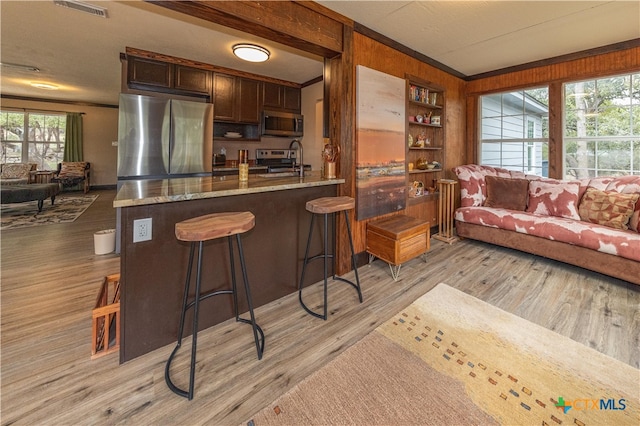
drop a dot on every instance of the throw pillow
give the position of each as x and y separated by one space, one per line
72 169
550 197
507 193
608 208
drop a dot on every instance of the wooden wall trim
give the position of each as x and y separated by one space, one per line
57 101
343 110
361 29
285 22
556 164
612 48
471 131
617 62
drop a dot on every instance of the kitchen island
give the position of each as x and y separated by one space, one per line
153 272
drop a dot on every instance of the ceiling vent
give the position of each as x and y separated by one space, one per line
82 7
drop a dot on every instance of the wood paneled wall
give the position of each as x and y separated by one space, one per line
553 75
375 55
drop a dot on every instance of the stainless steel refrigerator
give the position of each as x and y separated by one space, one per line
161 138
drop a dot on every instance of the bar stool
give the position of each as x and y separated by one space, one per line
198 230
326 206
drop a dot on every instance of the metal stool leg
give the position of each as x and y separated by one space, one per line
304 266
259 340
325 256
196 305
353 257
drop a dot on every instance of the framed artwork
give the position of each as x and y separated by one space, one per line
380 143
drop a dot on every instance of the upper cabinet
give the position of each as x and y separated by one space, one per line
192 80
281 97
236 99
149 74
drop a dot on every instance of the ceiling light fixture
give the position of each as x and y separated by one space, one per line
251 52
45 86
20 67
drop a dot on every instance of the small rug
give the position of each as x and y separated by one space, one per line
66 208
452 359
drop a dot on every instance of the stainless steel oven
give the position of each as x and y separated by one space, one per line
278 160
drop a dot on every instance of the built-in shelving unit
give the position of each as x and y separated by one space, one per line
425 145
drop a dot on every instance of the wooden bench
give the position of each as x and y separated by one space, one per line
397 239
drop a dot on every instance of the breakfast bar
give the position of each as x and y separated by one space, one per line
152 272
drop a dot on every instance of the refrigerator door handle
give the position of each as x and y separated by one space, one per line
167 137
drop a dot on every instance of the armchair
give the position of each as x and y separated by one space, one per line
73 173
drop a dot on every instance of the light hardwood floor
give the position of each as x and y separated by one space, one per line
51 277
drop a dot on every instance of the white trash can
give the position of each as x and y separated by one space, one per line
104 241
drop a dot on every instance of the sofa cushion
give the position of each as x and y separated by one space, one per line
473 190
607 208
15 171
550 197
507 193
584 234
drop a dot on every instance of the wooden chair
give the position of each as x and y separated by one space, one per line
72 173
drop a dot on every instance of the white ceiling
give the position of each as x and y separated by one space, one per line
80 52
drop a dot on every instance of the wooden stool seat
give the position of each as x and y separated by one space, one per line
215 225
330 204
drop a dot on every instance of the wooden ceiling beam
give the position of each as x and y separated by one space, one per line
285 22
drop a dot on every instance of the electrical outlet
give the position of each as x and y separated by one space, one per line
142 230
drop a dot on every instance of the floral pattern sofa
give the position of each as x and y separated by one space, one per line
591 223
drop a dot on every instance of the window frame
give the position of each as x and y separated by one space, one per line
525 141
592 142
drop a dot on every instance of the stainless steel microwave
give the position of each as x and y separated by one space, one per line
280 123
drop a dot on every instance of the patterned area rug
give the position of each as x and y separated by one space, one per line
451 359
66 208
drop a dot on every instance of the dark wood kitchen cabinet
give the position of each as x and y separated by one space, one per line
193 80
236 99
152 75
281 97
143 73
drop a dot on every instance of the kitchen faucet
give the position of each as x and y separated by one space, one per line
301 162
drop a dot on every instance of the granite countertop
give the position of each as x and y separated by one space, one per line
235 169
145 192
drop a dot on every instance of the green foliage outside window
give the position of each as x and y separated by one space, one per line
602 127
32 137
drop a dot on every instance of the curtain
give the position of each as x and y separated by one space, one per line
73 138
